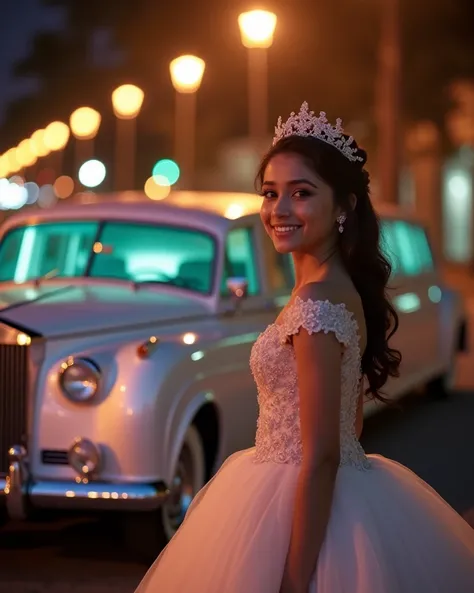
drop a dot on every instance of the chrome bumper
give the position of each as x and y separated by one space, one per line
19 493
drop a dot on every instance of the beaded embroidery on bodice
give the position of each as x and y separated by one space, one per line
273 366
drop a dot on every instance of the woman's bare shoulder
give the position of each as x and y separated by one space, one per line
334 291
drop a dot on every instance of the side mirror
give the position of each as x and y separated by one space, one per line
238 288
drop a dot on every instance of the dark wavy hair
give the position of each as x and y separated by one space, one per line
359 246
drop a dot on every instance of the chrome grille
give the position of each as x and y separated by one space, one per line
54 457
13 399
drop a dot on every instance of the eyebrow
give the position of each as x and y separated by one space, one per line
293 182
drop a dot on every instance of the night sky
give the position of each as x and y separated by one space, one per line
323 52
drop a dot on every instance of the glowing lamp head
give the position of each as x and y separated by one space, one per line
25 153
85 123
127 101
56 135
38 145
12 160
186 73
257 28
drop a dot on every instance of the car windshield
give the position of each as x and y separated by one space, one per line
139 253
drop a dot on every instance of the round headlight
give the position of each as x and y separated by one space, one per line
79 379
84 457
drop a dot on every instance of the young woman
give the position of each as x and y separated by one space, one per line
305 510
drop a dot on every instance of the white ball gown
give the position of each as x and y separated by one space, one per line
388 531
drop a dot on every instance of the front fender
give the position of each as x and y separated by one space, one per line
178 424
127 421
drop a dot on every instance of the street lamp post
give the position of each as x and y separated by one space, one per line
388 103
257 28
127 100
84 123
423 148
460 128
186 76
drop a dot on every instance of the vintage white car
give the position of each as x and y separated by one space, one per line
125 333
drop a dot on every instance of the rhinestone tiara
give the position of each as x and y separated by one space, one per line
305 123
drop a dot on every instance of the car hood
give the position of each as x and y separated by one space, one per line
67 309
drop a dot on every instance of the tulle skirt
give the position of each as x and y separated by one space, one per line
388 532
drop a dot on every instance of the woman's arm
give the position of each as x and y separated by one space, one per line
318 361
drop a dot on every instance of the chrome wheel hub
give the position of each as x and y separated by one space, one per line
181 491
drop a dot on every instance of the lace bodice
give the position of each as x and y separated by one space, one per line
274 368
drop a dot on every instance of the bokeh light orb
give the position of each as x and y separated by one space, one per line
64 186
32 191
85 122
46 197
4 185
14 196
13 163
56 135
37 143
156 191
234 211
92 173
187 73
24 153
161 180
4 166
257 28
127 101
18 179
168 170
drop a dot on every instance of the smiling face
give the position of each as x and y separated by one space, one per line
298 209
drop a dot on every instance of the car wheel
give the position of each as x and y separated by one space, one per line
148 533
189 478
437 388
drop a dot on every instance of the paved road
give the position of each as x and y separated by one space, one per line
435 439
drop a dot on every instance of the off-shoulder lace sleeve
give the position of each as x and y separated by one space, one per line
319 316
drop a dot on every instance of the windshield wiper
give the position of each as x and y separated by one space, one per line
170 281
51 274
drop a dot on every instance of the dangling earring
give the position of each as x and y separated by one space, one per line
341 219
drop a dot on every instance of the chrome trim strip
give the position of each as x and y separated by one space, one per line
92 496
14 399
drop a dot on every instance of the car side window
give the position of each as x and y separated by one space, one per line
240 260
410 263
423 248
415 251
407 247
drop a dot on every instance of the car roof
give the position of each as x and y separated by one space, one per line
207 209
211 211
